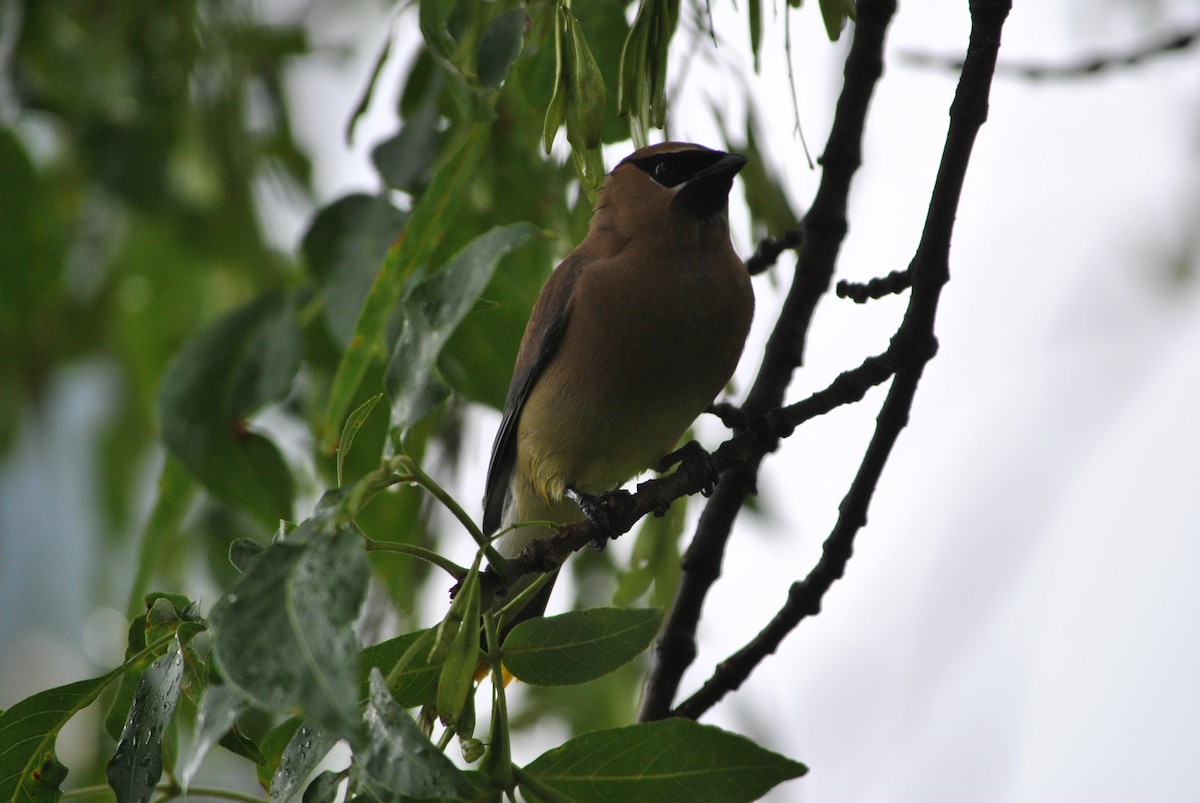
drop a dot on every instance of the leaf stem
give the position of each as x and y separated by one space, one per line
498 760
166 792
532 784
450 567
422 643
417 474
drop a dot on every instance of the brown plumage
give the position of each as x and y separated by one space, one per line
631 338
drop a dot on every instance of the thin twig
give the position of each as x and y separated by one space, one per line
768 251
861 292
1080 67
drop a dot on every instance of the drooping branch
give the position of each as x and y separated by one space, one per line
930 272
1080 67
823 230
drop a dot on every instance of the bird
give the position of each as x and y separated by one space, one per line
631 338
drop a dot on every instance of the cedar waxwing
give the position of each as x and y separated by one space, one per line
631 338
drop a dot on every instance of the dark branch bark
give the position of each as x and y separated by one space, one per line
861 292
768 251
823 229
914 344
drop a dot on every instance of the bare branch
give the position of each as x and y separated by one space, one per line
930 272
823 228
861 292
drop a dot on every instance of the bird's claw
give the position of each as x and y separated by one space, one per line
596 508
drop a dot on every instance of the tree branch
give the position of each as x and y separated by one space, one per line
768 251
1082 67
824 228
861 292
930 272
750 445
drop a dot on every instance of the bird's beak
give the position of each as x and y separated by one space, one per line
726 168
707 192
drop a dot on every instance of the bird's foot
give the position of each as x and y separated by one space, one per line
697 462
596 508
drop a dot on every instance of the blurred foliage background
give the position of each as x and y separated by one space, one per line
146 147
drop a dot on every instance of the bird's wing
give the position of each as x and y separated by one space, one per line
548 322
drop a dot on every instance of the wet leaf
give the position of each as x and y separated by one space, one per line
137 763
579 646
284 634
671 760
400 759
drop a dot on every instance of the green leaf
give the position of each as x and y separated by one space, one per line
585 111
770 208
606 28
556 110
643 83
137 763
305 750
585 99
535 70
500 46
835 13
118 711
416 684
272 746
353 425
405 161
285 634
364 102
433 313
226 372
433 214
671 760
29 770
344 247
398 757
32 247
434 16
655 559
242 745
578 646
458 670
243 552
754 14
162 615
324 788
219 710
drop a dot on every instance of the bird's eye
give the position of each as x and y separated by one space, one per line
665 174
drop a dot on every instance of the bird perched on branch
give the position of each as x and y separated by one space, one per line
631 338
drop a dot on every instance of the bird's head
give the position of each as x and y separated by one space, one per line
654 185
